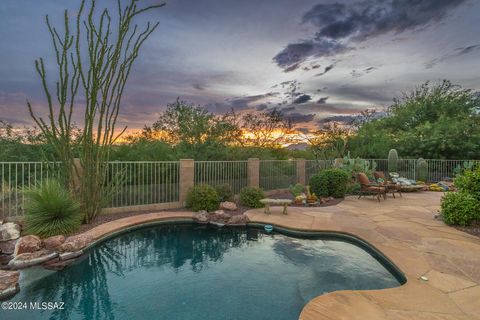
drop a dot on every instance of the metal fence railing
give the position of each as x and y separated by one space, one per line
314 166
156 182
143 182
15 177
436 169
215 173
277 174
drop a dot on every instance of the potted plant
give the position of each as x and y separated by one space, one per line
311 197
300 199
297 192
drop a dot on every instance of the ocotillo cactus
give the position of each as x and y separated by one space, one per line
392 160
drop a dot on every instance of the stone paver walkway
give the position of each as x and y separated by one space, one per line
405 230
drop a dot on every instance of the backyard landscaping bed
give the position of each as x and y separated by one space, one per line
474 229
239 211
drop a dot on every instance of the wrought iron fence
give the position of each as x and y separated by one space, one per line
143 182
277 174
155 182
215 173
15 177
436 169
314 166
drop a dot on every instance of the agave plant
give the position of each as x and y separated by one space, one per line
51 210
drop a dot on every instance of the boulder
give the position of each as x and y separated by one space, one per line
28 259
8 283
239 219
76 243
7 247
5 259
201 217
220 215
53 243
227 205
9 231
26 244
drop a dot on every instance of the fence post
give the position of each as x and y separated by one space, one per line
301 175
187 178
253 172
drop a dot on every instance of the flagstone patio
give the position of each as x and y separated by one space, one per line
405 230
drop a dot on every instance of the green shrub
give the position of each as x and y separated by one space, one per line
460 208
330 183
251 196
202 197
319 184
296 190
353 188
469 182
224 192
51 210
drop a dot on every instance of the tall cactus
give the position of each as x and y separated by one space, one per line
392 160
422 169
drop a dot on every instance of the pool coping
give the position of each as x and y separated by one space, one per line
412 300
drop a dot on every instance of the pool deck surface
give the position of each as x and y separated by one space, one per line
403 229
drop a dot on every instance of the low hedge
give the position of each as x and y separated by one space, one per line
202 197
251 196
460 208
330 183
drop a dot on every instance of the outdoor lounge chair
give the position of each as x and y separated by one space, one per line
370 188
390 187
379 175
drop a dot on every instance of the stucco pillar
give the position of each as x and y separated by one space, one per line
253 172
187 178
301 171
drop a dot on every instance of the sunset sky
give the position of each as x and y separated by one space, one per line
316 60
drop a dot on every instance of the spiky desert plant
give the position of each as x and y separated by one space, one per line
422 169
94 55
51 210
392 160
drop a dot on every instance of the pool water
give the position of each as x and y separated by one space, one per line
192 272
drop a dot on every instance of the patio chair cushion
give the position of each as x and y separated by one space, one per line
373 188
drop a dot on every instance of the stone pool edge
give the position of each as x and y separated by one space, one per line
112 229
412 300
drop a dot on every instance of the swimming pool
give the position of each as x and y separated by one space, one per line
187 271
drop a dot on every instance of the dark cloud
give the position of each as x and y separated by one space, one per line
198 87
322 100
261 107
294 54
327 68
359 73
297 117
243 102
288 109
302 99
344 119
303 130
339 26
455 53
